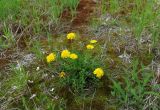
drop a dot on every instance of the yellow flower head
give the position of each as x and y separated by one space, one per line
51 57
65 54
62 74
93 41
89 46
71 36
73 56
98 72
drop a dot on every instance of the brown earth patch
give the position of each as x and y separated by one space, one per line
84 11
3 63
5 58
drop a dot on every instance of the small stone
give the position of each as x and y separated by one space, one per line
14 87
53 76
52 90
34 95
56 97
125 57
30 81
37 69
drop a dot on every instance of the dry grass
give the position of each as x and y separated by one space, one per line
126 31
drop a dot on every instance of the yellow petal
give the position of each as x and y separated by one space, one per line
65 54
93 41
98 72
71 36
73 56
90 47
51 57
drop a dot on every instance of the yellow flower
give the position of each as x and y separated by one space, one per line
71 36
98 72
62 74
73 56
89 46
65 54
51 57
93 41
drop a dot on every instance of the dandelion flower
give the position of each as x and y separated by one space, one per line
90 47
98 72
93 41
62 74
65 54
51 57
71 36
73 56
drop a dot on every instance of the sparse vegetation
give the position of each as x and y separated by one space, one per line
80 54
